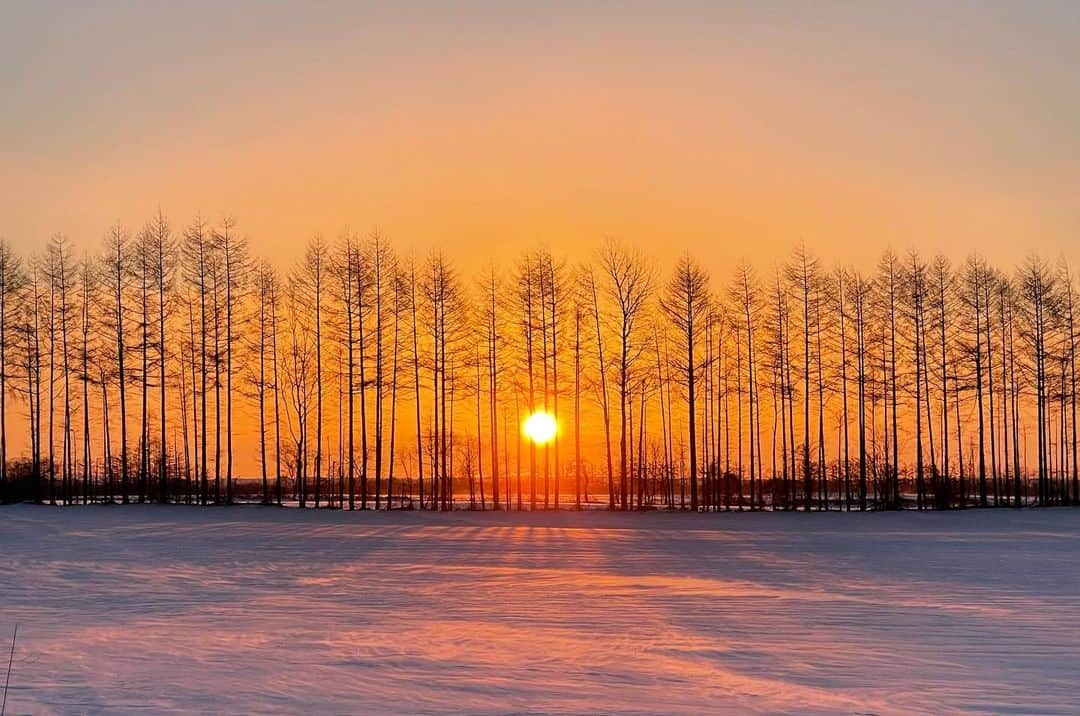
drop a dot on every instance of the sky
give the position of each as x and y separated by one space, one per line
729 130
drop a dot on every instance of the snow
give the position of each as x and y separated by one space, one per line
261 610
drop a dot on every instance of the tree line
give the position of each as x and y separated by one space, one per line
363 379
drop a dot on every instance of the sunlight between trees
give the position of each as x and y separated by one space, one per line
360 378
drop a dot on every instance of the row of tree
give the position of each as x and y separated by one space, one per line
362 379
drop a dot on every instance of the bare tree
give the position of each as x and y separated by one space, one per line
628 288
490 290
803 272
744 292
383 275
12 281
685 304
416 380
1040 311
973 294
889 272
160 252
1068 301
197 251
235 266
589 281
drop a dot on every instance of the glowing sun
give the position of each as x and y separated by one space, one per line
540 427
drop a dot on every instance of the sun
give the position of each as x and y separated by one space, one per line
540 427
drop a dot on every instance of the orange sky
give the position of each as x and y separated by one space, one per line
725 129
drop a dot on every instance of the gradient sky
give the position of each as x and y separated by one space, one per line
729 129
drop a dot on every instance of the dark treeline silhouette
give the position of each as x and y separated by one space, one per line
361 379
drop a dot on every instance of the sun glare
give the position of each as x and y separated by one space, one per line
540 427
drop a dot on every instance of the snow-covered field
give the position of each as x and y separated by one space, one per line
253 610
